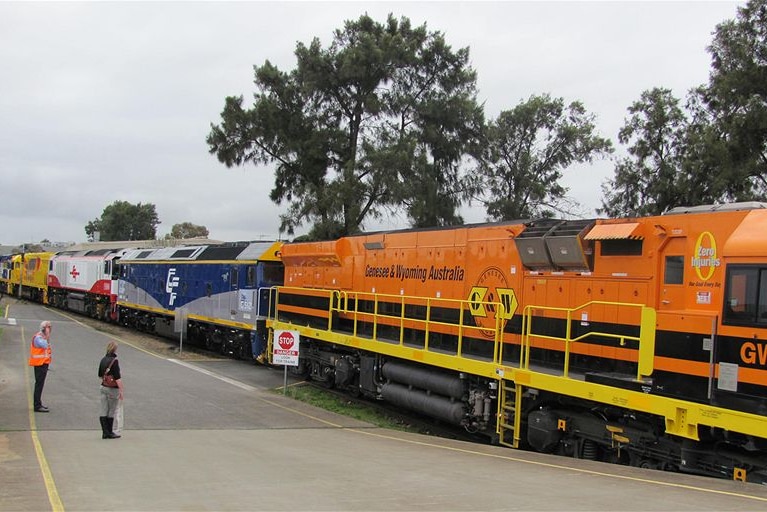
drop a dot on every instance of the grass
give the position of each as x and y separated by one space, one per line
345 407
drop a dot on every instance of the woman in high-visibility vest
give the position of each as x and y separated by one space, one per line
39 359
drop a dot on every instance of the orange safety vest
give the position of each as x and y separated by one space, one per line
39 356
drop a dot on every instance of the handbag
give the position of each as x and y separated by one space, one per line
107 380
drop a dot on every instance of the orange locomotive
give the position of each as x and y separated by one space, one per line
640 341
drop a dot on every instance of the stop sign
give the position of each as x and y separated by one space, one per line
285 347
286 340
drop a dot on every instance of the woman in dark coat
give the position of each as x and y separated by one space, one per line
111 390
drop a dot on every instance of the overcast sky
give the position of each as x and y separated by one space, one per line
112 101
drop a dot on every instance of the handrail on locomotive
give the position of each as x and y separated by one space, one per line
340 300
645 340
343 301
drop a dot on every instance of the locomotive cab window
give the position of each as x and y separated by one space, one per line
745 300
674 271
273 274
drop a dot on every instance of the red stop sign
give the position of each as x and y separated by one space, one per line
286 340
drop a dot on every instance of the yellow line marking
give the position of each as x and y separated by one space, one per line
50 485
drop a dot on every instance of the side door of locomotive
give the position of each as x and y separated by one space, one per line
671 289
234 294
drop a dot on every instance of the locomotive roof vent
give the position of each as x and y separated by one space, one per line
567 247
728 207
532 247
555 245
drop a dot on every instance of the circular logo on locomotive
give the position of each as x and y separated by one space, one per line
490 291
705 259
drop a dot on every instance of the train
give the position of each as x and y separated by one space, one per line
639 341
220 290
218 293
25 275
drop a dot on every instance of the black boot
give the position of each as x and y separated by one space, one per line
104 430
110 424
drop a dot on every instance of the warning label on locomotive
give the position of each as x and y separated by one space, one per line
416 273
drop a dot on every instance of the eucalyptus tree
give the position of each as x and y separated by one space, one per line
122 220
736 102
376 120
187 230
651 178
527 150
716 150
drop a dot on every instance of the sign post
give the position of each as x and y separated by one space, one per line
179 325
285 351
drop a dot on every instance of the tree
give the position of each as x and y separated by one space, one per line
353 122
187 230
716 151
707 166
125 221
736 100
93 227
527 150
435 122
651 179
